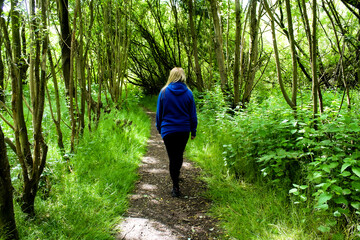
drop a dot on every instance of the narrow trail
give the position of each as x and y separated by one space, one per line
153 213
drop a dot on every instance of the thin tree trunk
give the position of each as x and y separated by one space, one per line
65 42
219 45
2 75
199 80
293 52
2 67
276 53
8 230
252 64
71 81
237 53
57 121
313 45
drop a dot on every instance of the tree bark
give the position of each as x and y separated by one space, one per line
276 53
219 45
2 75
57 121
252 64
8 228
237 53
2 67
199 80
313 45
293 52
65 42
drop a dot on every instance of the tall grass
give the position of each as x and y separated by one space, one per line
89 192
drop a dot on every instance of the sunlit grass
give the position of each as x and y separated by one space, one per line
89 191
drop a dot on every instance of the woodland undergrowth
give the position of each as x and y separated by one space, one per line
83 195
274 174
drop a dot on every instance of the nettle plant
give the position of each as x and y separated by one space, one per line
333 172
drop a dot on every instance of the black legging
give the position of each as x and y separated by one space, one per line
175 144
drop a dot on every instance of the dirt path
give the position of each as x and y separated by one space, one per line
154 214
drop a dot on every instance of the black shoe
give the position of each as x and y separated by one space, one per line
175 192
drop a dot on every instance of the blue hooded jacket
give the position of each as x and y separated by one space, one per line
176 111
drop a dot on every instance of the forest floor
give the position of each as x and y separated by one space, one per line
154 214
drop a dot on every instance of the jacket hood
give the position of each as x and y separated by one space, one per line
177 88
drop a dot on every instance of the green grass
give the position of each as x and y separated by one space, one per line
88 202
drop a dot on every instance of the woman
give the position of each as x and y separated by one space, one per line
175 119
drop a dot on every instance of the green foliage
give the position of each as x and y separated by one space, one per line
311 162
87 202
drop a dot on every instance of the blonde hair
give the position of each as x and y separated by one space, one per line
177 74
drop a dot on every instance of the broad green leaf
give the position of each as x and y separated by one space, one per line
331 223
322 207
346 191
324 229
304 187
333 165
356 205
345 174
337 214
303 198
345 166
324 197
293 190
341 200
356 171
336 189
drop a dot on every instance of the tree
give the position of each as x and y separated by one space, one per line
276 54
218 41
199 79
252 63
65 42
7 219
237 52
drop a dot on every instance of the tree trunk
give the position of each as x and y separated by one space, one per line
7 219
219 45
293 52
313 45
65 42
72 88
252 64
199 80
276 53
237 53
57 121
2 68
2 75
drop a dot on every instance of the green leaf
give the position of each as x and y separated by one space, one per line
324 229
341 200
356 185
331 223
337 214
356 205
322 207
303 198
304 187
345 174
346 191
345 166
333 165
324 197
356 171
293 190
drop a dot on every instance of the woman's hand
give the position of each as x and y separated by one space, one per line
193 137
